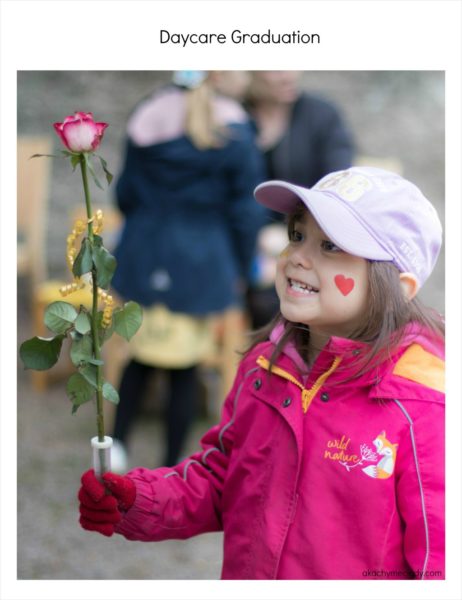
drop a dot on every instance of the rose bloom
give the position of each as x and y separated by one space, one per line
80 133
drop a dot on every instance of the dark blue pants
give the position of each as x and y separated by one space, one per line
180 410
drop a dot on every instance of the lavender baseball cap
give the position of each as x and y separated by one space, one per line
367 212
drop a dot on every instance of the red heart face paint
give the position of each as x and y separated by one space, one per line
344 284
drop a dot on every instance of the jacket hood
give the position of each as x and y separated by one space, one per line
161 118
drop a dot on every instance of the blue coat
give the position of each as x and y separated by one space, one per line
190 222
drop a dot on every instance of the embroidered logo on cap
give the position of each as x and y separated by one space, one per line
412 256
349 186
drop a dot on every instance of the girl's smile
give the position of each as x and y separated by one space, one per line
299 288
319 284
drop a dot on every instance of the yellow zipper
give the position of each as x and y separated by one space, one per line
307 394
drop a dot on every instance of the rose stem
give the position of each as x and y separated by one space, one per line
94 314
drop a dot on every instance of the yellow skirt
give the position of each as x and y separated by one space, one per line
172 340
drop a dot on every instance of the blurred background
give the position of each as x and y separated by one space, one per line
397 120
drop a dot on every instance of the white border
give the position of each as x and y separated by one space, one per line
123 35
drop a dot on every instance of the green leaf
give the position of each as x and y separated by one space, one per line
69 153
109 176
81 350
40 155
75 335
79 391
59 316
90 373
75 160
110 393
104 262
82 323
39 353
92 170
98 363
83 262
128 320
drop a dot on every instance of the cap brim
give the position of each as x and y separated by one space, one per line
341 225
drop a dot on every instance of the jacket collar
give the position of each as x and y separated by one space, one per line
336 346
383 381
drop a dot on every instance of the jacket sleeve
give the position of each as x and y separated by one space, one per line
245 170
420 493
183 501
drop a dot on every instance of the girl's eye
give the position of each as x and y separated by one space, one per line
329 246
295 236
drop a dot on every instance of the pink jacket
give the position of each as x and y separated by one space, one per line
312 478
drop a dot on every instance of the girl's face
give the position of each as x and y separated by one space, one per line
320 285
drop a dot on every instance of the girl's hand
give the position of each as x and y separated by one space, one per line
101 503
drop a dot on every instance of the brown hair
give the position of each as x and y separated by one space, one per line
382 327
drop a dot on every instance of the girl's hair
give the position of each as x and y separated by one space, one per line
200 126
383 325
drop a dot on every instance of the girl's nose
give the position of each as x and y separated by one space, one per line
301 257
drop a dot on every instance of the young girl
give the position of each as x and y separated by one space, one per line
328 461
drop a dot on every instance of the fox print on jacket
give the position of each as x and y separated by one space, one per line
385 466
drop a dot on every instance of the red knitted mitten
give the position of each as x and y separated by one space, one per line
100 504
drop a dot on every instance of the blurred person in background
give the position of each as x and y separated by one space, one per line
189 237
302 137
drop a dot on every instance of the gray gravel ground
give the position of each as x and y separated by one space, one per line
398 114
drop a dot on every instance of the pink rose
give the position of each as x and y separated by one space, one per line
80 133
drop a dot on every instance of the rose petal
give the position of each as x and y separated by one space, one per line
69 119
82 115
80 136
59 130
100 127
